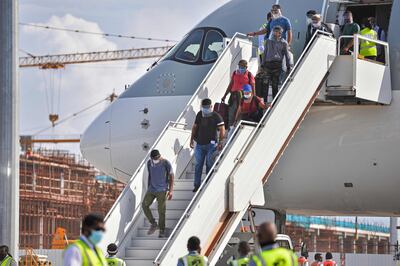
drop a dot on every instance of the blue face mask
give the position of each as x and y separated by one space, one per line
242 70
206 110
96 236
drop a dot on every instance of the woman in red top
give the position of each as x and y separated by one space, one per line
251 107
239 78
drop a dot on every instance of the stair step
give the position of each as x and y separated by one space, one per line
138 262
175 204
190 175
183 194
173 214
170 223
184 184
142 252
142 232
148 242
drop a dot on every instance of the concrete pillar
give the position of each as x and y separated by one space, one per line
393 232
9 146
364 245
341 244
314 241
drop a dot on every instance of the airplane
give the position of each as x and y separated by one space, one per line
342 161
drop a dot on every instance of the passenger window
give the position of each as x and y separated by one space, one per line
213 46
189 50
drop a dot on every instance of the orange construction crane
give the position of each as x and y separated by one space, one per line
60 60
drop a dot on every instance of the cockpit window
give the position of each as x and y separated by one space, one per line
189 50
213 45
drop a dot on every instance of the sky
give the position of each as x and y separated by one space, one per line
69 90
76 87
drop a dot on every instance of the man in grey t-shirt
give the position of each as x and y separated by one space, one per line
160 187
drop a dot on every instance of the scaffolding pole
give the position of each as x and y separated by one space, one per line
9 161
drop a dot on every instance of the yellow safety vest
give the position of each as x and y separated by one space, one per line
275 256
368 48
89 257
7 261
259 52
240 262
193 260
115 261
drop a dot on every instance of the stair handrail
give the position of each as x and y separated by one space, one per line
189 104
283 88
204 183
186 214
144 161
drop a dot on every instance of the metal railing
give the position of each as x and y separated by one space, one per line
220 57
242 152
356 45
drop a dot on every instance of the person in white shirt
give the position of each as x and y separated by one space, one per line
84 251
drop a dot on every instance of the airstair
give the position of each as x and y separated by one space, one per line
239 172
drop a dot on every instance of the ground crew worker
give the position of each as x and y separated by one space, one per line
367 48
243 260
5 257
193 258
329 260
261 37
112 259
84 252
271 253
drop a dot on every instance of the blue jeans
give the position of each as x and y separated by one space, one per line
201 153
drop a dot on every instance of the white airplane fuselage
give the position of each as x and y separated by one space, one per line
343 160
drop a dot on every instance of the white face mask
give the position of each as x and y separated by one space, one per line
316 25
308 21
156 161
247 96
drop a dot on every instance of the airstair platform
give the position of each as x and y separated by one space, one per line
239 172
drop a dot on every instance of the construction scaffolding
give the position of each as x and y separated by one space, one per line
56 190
338 239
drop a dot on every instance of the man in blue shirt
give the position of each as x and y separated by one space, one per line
160 187
277 20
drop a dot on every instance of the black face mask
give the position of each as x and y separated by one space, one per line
2 256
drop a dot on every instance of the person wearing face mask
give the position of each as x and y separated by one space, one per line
239 78
5 258
381 36
349 28
368 48
205 132
160 187
316 24
277 20
276 50
84 252
309 15
261 37
251 107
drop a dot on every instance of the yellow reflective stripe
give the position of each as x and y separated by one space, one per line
7 261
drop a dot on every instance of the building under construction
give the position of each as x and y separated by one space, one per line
338 236
56 190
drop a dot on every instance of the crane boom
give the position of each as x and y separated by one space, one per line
60 60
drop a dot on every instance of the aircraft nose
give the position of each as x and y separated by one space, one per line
95 142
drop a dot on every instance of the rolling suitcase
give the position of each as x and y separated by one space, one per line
222 110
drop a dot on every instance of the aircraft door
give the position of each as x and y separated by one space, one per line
296 12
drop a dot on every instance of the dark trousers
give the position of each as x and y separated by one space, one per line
272 72
148 200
